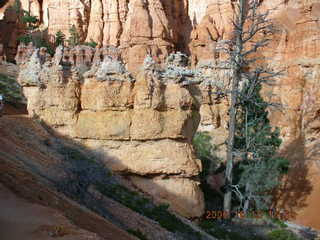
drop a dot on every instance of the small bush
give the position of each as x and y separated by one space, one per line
29 20
74 38
60 38
26 39
279 222
137 233
204 151
39 42
210 165
281 234
87 171
202 145
145 207
92 44
32 23
10 89
221 232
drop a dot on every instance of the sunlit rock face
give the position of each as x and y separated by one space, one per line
196 27
142 126
138 27
295 51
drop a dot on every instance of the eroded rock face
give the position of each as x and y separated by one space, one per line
215 26
180 192
295 51
10 30
136 124
138 27
197 27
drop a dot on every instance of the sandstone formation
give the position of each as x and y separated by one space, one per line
11 29
138 27
215 26
139 127
295 51
196 27
42 212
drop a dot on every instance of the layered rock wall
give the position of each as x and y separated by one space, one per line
294 50
159 27
143 127
138 27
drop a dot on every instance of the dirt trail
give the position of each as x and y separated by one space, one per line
20 219
26 167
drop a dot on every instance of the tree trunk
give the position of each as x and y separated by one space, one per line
247 200
230 148
236 64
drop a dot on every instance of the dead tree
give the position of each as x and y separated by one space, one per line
252 31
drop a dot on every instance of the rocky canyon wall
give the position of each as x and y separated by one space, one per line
142 126
158 27
294 50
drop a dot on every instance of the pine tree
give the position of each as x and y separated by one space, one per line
59 38
74 38
29 20
261 167
251 137
32 24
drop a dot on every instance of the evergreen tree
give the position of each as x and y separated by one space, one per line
74 38
59 38
17 7
251 138
260 167
29 20
32 24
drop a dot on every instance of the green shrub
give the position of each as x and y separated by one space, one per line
92 44
30 20
282 234
138 234
10 89
202 145
40 42
89 172
60 38
26 39
278 222
74 38
32 24
207 225
37 42
17 7
145 207
221 232
204 151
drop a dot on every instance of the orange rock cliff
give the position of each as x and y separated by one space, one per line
138 28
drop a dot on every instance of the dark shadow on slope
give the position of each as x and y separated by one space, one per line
73 170
86 169
295 188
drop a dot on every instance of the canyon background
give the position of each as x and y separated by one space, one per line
158 28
